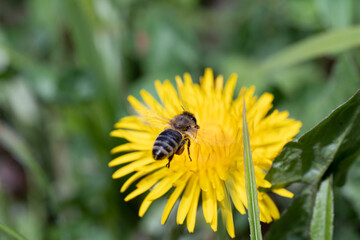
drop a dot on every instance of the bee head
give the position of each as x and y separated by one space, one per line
185 122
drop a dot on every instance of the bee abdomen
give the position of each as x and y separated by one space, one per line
166 144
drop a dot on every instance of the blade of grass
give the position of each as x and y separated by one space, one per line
323 216
328 43
11 232
250 184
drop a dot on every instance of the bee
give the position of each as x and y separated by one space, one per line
173 139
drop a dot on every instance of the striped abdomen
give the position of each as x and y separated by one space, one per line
166 144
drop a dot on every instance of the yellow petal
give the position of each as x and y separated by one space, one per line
138 106
123 147
250 100
133 136
271 207
208 202
214 220
204 181
144 171
261 108
262 159
130 147
164 185
151 102
174 196
187 79
144 206
268 209
131 179
179 82
129 157
130 122
264 213
219 188
226 213
239 180
235 195
283 192
191 217
219 83
132 167
146 183
186 199
136 193
229 89
207 83
169 98
260 178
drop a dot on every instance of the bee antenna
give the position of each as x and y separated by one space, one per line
182 107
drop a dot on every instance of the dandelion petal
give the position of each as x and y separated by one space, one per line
186 200
174 197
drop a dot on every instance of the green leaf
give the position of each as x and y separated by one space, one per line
11 232
323 215
335 140
309 216
250 184
295 222
331 42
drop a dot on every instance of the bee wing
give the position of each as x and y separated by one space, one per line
154 120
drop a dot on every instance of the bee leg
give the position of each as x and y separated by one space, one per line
180 149
188 147
170 158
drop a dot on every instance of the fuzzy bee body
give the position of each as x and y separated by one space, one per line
166 144
173 139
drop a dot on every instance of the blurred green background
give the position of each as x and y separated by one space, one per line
67 66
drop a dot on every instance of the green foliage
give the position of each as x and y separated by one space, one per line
334 140
66 68
310 216
295 222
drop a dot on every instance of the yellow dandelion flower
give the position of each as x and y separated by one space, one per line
216 169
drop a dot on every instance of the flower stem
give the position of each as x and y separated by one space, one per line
250 184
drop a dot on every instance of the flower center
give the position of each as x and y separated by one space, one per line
213 147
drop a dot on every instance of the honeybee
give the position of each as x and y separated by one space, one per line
173 139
